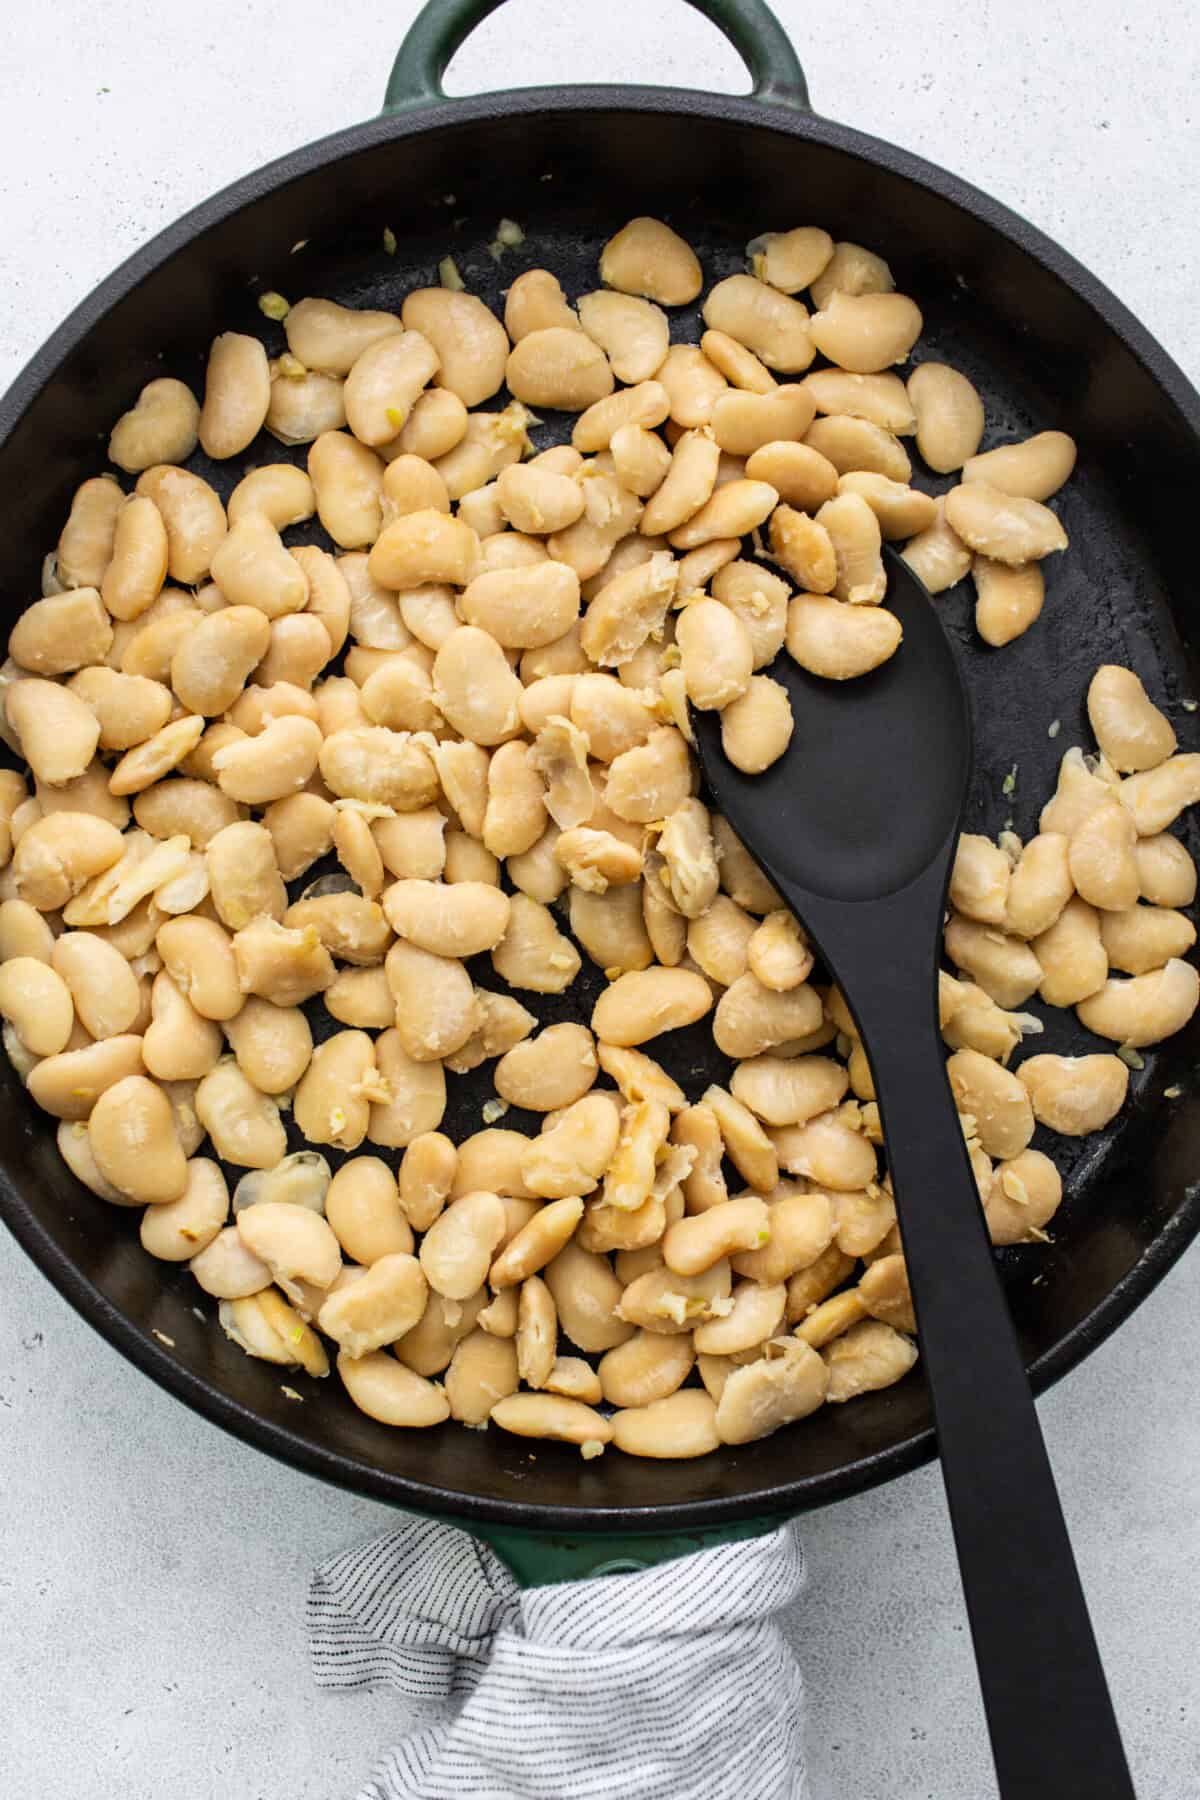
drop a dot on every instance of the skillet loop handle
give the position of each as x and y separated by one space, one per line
443 25
541 1559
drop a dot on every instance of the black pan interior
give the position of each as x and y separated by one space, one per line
1040 356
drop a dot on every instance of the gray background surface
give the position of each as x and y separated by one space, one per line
152 1570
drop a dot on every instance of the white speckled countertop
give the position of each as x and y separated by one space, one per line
152 1570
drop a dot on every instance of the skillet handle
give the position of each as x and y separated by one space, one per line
541 1559
443 25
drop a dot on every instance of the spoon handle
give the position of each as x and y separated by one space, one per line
1052 1727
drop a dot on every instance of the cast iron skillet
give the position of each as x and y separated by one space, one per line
1046 344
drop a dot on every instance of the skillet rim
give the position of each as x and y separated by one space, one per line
109 1321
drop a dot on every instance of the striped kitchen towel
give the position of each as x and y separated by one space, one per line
673 1683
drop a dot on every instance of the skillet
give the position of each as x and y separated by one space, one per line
1045 343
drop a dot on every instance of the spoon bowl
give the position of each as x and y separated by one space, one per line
882 761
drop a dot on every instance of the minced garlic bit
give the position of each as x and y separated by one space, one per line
493 1110
1130 1057
508 236
1008 786
291 1394
590 1449
389 240
298 245
369 809
1172 1093
679 1308
449 276
1054 727
1189 705
163 1338
273 305
1014 1187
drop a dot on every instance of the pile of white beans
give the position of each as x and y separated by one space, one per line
487 677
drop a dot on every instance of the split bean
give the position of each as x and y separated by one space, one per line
774 1391
995 1099
574 1150
36 1001
131 1131
937 556
1033 469
949 416
533 953
1154 798
1101 860
237 393
1007 969
181 1229
243 1123
640 1005
559 368
1143 1009
647 258
1071 955
303 404
470 341
57 732
551 1070
384 383
534 302
979 879
435 426
1130 730
1145 938
1166 873
865 332
85 546
62 633
160 427
429 1347
771 324
869 1356
273 1044
101 983
1008 600
378 1308
1005 527
385 1390
58 855
1074 1095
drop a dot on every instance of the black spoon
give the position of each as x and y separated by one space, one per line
856 825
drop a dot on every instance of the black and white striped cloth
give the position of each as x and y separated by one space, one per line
673 1683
